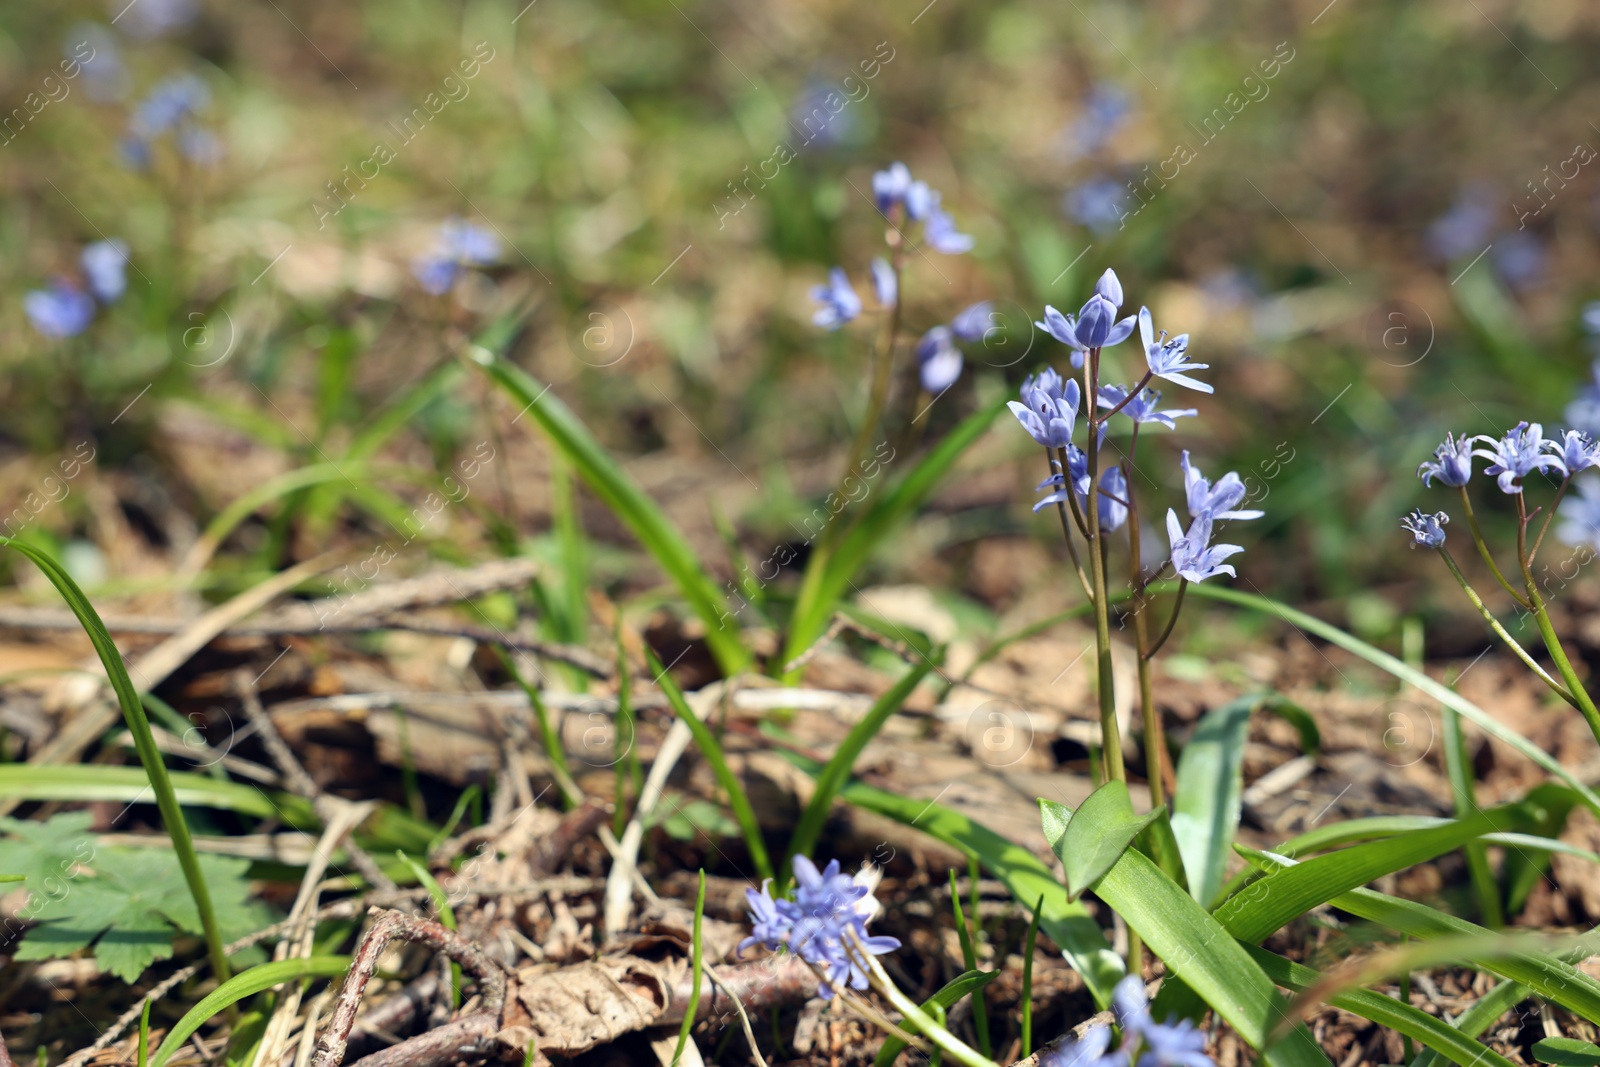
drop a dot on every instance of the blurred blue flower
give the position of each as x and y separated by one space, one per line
1464 229
200 145
1451 463
884 282
890 186
1103 114
468 243
818 924
154 18
1516 455
436 274
893 187
1087 1051
938 360
134 150
103 263
1097 204
811 109
1580 514
174 99
940 232
63 310
839 301
1576 450
105 76
1145 1043
1218 501
1095 325
1519 258
1591 317
1193 555
1427 531
1166 358
1048 409
972 323
1112 499
1142 408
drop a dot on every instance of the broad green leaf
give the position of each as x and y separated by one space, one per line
1285 894
1102 831
1548 976
961 985
1195 947
1385 1011
1067 923
1566 1052
834 564
833 775
1379 658
630 504
245 984
1206 805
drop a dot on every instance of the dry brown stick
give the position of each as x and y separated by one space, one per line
298 781
386 926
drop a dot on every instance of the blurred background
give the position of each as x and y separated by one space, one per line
1376 220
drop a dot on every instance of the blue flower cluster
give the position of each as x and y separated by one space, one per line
1513 457
1145 1042
173 107
65 309
460 244
1048 411
819 924
904 200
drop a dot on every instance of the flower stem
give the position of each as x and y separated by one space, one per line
1066 530
1500 631
1110 739
914 1014
1177 606
1483 548
882 372
1547 631
1544 527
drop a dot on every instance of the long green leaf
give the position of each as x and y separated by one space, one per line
1478 1018
1566 1052
1552 978
1379 658
711 749
1067 923
630 504
837 770
245 984
1196 948
968 982
144 741
1206 805
1285 894
833 565
1385 1011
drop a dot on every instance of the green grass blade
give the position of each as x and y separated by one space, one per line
1379 658
144 741
631 505
969 983
711 749
969 959
837 770
1285 894
1068 923
835 563
549 736
1195 948
1206 805
697 965
1550 977
242 985
1478 1018
447 915
1566 1052
1454 1044
1028 945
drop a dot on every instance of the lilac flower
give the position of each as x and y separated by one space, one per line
1142 408
1451 463
890 186
63 310
1216 502
839 302
1145 1042
1097 204
1193 555
940 231
1077 468
1464 229
105 76
884 282
1580 514
102 264
1086 1051
436 274
1519 258
1428 530
468 243
1591 317
1517 455
1112 500
938 359
156 18
1096 324
1049 408
921 201
199 145
1584 411
826 914
1166 358
972 324
1577 451
1103 113
173 100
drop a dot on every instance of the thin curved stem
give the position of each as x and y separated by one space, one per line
1500 631
1066 530
1177 606
1126 401
1544 527
912 1012
1483 548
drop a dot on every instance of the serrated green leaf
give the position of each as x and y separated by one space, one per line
1195 947
47 853
1098 836
1566 1052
